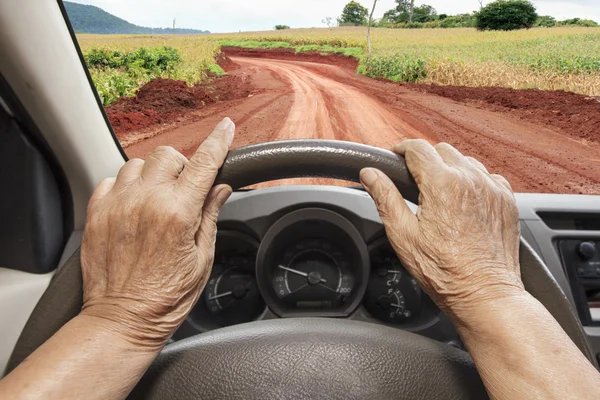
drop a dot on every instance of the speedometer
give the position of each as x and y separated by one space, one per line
313 273
312 262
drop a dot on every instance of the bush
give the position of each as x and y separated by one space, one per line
281 27
506 15
546 21
117 74
578 22
401 68
156 60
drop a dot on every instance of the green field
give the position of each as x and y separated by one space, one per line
544 58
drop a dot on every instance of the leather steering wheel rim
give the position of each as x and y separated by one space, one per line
304 358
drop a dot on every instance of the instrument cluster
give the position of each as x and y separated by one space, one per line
312 262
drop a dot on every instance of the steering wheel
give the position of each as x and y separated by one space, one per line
310 357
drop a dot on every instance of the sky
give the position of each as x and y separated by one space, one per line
258 15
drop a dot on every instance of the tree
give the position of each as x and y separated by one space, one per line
406 11
328 21
369 27
480 4
424 13
506 15
281 27
546 21
354 13
399 14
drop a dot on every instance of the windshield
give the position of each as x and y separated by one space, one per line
521 95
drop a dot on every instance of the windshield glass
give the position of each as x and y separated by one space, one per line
521 94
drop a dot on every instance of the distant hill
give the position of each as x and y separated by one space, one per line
91 19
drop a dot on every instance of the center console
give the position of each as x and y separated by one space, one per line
581 260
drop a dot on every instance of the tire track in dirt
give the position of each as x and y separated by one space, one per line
533 158
295 100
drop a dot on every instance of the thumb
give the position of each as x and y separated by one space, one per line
401 224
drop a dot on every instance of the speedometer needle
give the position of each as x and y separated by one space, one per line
295 271
218 296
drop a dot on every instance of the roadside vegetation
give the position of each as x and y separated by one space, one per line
121 64
555 59
563 57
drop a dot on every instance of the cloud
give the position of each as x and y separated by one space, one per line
256 15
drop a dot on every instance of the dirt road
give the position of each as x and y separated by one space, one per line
297 99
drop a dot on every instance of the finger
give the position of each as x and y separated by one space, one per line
199 174
421 158
164 164
399 221
502 181
477 164
451 156
130 172
207 232
101 191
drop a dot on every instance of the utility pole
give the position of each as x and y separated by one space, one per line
369 28
412 10
174 25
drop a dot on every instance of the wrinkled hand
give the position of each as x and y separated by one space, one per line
148 245
463 243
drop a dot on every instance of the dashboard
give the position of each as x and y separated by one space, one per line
314 251
296 251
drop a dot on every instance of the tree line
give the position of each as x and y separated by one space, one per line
497 15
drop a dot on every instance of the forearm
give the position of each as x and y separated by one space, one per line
85 359
521 352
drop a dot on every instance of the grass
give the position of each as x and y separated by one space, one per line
356 52
543 58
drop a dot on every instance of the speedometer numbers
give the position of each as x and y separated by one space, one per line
313 274
392 295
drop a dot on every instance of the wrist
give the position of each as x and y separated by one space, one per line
129 328
469 313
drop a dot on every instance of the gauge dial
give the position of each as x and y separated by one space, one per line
228 285
392 295
313 274
231 294
312 262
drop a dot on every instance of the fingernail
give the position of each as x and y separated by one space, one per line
368 176
229 127
223 194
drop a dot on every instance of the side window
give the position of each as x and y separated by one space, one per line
32 223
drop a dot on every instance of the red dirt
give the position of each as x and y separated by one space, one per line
570 112
297 99
165 100
290 55
226 63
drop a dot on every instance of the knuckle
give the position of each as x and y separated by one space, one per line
208 159
135 161
443 146
420 144
168 156
167 150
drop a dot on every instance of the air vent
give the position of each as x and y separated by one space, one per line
571 221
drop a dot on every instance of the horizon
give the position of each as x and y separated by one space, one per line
307 13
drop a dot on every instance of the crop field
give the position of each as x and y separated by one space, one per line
315 83
543 58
